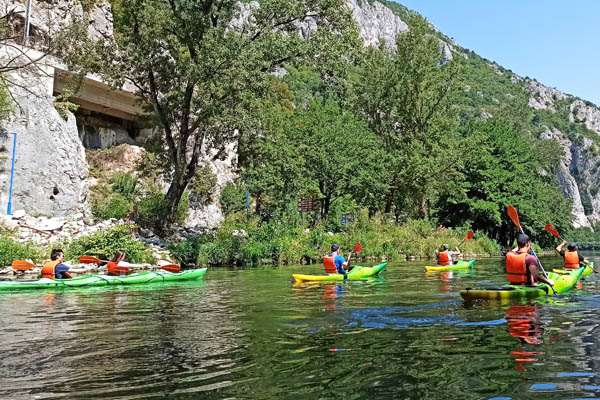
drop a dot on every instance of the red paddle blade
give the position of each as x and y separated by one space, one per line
22 265
88 260
357 247
171 268
552 230
469 235
514 216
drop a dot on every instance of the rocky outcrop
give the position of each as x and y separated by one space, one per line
542 97
50 174
376 23
48 17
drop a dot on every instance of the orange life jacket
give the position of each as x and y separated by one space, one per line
329 264
48 269
571 259
516 269
112 268
444 258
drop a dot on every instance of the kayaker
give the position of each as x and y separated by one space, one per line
335 263
522 267
444 257
572 257
55 269
117 264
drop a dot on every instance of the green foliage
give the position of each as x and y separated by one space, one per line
204 185
152 209
188 249
104 244
510 168
11 250
112 206
233 198
125 184
241 240
6 104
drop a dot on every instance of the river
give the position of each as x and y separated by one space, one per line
250 333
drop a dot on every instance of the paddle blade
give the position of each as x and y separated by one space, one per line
89 260
514 216
469 235
171 268
22 265
552 230
357 248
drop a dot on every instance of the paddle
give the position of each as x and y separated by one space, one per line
357 249
22 265
469 236
90 260
553 231
514 216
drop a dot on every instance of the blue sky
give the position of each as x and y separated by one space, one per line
556 42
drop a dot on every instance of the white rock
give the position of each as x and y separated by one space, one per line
18 214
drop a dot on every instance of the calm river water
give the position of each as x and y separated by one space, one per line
252 334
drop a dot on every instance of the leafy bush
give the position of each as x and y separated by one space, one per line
153 209
115 206
11 250
105 243
233 198
125 184
204 185
187 250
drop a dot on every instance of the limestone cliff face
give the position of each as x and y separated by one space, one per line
50 175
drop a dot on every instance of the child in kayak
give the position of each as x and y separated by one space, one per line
444 257
117 264
55 269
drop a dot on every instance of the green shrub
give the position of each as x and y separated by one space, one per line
233 198
115 206
105 243
187 250
153 209
11 250
204 185
125 184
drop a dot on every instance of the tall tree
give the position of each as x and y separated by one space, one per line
201 64
406 97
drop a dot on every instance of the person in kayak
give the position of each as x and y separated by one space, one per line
444 257
335 263
522 268
117 264
55 269
572 257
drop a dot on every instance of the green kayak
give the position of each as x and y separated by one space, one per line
104 280
562 284
453 267
355 274
588 270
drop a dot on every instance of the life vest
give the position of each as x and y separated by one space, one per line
572 259
329 264
516 269
48 269
444 258
112 268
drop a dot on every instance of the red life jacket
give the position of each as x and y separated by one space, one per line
516 269
444 258
572 259
112 268
329 264
48 269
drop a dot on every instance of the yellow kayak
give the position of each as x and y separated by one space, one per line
587 271
355 274
453 267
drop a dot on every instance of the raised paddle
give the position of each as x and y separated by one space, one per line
22 265
357 249
514 216
554 232
469 236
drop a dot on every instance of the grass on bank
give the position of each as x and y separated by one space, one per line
241 240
